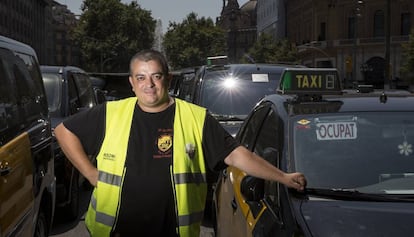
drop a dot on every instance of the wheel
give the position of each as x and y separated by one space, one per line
42 229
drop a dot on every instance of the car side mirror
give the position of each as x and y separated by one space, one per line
252 189
100 95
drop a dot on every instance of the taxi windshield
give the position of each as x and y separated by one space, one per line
229 96
366 151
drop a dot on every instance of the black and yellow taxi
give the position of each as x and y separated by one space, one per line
355 148
27 180
229 91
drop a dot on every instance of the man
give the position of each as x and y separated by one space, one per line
153 152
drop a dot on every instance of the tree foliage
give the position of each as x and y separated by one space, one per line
109 33
189 43
268 50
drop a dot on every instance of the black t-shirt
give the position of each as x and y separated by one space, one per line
147 205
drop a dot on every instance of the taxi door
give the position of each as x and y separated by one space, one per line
258 199
235 216
16 186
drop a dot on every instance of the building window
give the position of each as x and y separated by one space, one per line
351 27
379 24
405 23
322 32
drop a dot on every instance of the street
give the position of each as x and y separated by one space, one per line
77 228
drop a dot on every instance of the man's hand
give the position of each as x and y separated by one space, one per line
296 181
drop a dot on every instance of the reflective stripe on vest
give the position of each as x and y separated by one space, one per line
189 171
188 167
101 215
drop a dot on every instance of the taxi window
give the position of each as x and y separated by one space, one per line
250 130
267 146
360 151
15 106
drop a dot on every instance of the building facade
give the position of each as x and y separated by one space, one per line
358 37
239 23
26 21
271 18
63 50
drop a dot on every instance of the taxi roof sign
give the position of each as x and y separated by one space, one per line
217 60
310 81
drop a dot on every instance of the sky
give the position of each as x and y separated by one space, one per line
168 10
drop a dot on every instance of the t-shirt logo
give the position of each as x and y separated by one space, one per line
164 142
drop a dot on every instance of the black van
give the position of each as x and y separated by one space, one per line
69 90
27 179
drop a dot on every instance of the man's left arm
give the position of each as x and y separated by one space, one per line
254 165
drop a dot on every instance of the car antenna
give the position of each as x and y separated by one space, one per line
251 60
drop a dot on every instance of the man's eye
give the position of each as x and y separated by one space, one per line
140 78
157 76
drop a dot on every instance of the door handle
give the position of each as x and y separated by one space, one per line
4 168
234 204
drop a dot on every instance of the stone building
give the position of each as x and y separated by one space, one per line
239 24
353 36
26 21
63 50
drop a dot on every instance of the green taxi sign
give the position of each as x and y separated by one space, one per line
310 81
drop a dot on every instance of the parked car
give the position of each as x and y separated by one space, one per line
69 90
229 92
178 77
355 148
27 179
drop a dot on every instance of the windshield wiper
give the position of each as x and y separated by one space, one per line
224 117
353 194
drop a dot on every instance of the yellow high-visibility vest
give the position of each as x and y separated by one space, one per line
188 171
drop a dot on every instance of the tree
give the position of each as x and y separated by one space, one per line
268 50
109 33
189 43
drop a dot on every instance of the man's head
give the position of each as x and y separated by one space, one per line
150 54
150 79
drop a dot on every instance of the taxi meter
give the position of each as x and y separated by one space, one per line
314 81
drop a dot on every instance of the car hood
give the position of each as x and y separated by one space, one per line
327 217
232 127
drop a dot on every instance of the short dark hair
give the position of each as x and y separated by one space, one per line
148 55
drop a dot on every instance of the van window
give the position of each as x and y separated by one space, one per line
80 92
10 115
85 91
35 79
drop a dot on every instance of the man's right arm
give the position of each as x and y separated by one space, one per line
73 150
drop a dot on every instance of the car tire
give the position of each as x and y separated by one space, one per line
41 229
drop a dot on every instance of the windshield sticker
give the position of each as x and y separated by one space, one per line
405 148
303 122
260 78
336 131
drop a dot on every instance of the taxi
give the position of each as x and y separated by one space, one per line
27 176
355 148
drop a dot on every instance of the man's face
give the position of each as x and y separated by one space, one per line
150 85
